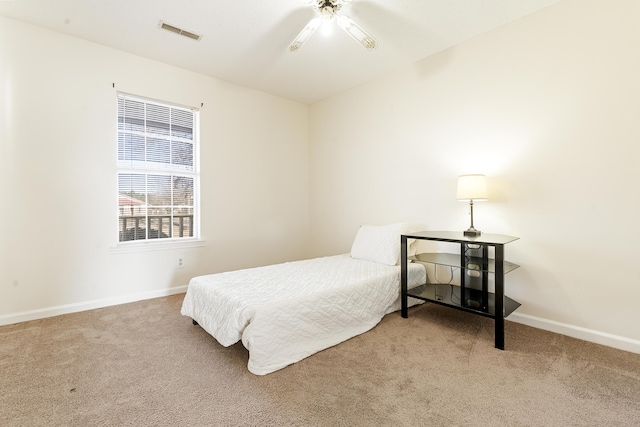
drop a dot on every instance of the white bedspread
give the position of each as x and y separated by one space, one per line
286 312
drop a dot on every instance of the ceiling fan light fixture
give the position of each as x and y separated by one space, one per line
357 32
328 11
327 24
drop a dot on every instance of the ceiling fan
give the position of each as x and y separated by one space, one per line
328 10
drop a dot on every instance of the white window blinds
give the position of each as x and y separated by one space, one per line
158 173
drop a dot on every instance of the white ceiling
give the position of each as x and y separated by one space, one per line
245 41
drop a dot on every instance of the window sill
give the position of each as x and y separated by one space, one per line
147 246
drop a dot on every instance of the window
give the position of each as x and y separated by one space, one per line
158 173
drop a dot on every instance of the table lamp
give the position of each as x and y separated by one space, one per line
472 187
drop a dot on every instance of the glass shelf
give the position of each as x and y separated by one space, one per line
475 301
459 237
453 260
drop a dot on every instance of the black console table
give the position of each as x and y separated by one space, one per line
478 301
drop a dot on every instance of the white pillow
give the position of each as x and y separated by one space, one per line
379 243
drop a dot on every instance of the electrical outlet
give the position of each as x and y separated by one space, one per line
180 262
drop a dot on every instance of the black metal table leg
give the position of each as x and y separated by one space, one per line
403 277
499 296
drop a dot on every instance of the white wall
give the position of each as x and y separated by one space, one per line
58 196
548 108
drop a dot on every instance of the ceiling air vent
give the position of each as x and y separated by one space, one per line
179 31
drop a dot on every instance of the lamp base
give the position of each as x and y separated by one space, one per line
472 232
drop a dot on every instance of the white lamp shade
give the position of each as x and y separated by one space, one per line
472 187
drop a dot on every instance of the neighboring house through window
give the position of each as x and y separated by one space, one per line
158 172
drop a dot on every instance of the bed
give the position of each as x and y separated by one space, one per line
286 312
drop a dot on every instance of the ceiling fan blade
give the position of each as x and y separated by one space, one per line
357 32
304 35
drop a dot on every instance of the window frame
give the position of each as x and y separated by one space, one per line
168 242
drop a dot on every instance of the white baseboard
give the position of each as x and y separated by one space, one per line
42 313
585 334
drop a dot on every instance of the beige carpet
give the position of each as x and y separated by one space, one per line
143 364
